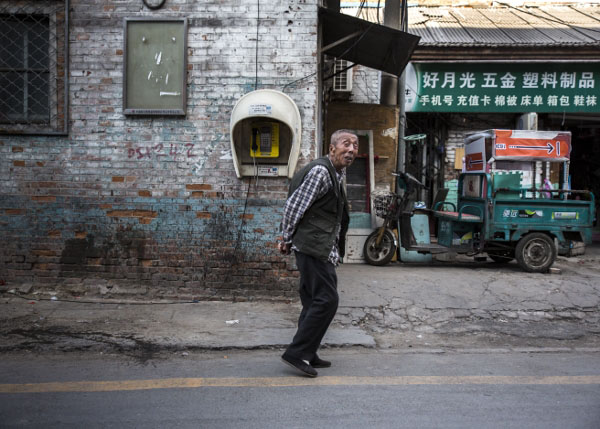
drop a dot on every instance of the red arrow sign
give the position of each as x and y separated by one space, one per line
532 145
549 147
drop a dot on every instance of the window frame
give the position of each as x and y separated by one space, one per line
347 75
55 124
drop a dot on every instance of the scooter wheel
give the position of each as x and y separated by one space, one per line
382 254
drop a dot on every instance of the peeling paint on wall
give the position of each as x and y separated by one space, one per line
226 154
390 132
154 199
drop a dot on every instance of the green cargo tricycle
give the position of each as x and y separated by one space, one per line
494 214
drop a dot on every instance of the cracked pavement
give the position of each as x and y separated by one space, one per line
471 298
460 303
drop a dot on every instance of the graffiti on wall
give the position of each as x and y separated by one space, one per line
159 150
198 167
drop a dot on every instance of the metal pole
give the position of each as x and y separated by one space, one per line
389 82
400 159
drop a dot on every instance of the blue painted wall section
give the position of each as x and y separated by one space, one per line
174 247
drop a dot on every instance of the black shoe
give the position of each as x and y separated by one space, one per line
300 365
317 362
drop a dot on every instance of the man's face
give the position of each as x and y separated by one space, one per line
342 154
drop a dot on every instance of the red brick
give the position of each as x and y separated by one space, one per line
41 252
213 194
198 187
14 212
132 213
44 199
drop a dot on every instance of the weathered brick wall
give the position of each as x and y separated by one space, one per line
365 85
152 205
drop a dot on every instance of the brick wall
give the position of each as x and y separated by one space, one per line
152 206
365 85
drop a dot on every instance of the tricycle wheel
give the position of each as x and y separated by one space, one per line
535 252
502 256
382 254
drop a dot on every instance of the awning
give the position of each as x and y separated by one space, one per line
365 43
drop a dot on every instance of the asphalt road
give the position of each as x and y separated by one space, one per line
253 389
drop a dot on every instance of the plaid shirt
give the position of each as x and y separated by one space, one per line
315 185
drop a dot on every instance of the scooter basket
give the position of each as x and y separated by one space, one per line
382 203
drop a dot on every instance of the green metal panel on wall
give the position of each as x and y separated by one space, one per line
503 87
155 67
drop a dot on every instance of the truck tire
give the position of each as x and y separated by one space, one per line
382 254
535 252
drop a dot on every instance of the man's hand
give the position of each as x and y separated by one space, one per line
285 248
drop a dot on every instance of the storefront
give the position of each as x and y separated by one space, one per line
511 67
544 96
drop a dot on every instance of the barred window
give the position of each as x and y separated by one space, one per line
33 68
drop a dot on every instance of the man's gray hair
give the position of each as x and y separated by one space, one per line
336 135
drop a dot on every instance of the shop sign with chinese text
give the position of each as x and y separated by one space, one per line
503 87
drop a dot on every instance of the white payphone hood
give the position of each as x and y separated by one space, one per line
267 104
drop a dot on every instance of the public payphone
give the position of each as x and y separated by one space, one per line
264 140
265 132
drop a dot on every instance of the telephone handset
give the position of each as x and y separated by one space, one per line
264 141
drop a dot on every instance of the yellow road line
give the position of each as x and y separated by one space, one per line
182 383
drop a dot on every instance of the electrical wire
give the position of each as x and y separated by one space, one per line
256 48
242 224
360 8
341 55
339 72
243 217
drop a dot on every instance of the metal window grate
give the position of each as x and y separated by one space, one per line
33 67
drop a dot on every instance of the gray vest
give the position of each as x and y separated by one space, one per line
316 232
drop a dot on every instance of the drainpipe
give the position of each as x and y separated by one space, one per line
393 88
402 98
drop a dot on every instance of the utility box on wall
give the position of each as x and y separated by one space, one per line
265 132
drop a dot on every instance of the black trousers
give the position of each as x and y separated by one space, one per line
319 296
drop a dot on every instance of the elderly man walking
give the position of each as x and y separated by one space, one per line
315 221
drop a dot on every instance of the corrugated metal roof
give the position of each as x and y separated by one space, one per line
547 25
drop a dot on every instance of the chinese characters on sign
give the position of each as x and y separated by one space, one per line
503 87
